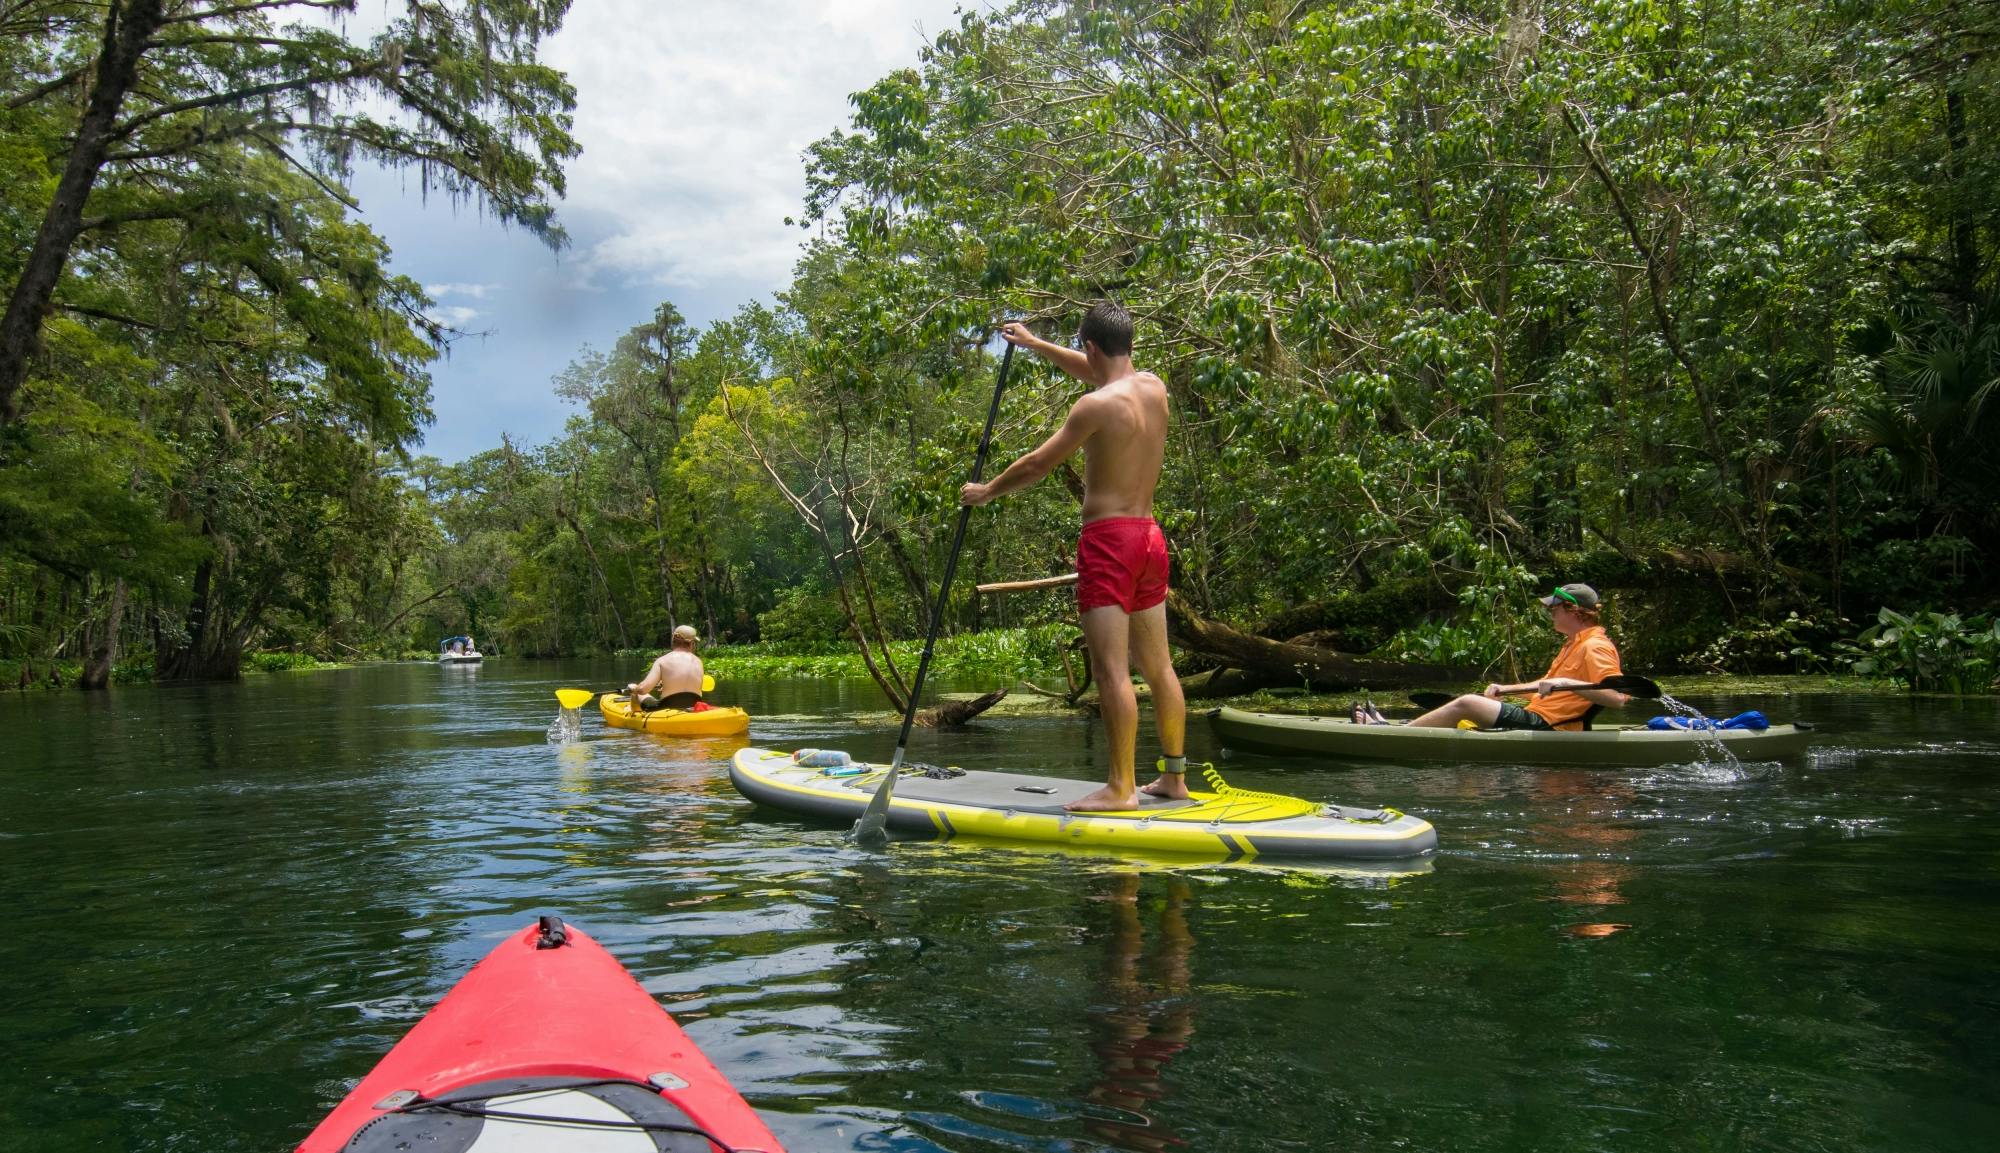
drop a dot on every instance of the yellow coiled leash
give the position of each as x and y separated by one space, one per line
1233 804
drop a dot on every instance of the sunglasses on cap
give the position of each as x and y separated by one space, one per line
1564 596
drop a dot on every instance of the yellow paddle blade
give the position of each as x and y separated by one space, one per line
574 698
707 683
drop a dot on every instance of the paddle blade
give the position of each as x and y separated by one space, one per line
707 683
1631 686
574 698
872 830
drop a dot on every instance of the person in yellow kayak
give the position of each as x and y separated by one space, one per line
1587 657
1121 562
674 681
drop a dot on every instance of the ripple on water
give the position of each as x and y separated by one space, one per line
248 917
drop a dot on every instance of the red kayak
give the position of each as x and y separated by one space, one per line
547 1044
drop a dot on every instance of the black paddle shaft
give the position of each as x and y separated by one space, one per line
951 562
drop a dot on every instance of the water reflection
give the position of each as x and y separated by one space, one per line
231 900
1145 1016
1587 832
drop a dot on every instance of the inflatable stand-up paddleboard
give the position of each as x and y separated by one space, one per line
1227 821
547 1044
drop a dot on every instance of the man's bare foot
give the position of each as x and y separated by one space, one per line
1105 800
1172 786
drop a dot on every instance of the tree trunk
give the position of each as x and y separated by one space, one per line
127 27
104 641
1320 668
666 568
900 557
211 652
569 518
952 714
890 682
1964 226
1386 606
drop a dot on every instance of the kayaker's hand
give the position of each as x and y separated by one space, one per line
1016 333
1496 691
974 495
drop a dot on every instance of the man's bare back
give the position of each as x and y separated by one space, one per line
1123 453
676 672
679 671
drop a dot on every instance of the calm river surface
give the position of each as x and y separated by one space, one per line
224 903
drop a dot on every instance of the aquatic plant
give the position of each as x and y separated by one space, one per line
1929 651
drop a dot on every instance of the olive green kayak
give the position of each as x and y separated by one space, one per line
1634 746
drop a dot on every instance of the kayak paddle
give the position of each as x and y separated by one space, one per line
868 831
1631 686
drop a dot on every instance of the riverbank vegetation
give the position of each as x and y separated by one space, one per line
1695 303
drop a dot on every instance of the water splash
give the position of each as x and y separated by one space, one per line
1714 752
567 727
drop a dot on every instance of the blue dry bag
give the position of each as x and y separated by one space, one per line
1751 719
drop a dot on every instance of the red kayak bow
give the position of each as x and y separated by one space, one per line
548 1043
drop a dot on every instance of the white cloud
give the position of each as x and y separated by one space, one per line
693 118
453 315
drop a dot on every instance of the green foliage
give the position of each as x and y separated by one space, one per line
1930 651
64 674
1798 643
283 661
996 657
1467 299
201 444
1443 643
804 620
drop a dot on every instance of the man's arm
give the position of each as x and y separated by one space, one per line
1068 359
1600 660
651 682
1609 698
1082 422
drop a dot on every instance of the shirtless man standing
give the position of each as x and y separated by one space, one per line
1121 557
675 676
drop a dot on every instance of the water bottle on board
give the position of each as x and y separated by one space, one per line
834 762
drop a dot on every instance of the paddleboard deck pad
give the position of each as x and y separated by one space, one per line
1226 821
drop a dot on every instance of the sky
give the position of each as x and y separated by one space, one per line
693 116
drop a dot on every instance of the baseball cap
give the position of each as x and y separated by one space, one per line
1578 594
687 633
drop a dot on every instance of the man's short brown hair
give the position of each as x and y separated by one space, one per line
1109 327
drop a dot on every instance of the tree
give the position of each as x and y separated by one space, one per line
138 98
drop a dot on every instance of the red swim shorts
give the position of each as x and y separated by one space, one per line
1121 560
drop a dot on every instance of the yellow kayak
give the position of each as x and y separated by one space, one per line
711 722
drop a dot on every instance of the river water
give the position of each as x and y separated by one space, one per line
224 903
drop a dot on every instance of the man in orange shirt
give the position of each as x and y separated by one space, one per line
1587 657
